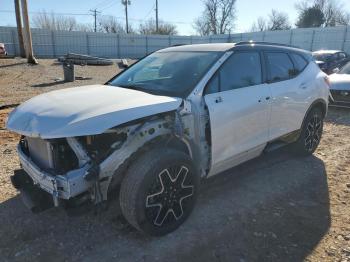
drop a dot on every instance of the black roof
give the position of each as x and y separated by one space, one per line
248 45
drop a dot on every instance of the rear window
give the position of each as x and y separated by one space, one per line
280 67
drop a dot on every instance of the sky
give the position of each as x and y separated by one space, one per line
180 12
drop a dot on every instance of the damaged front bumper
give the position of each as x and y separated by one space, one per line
64 187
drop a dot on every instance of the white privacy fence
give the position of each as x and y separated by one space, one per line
50 44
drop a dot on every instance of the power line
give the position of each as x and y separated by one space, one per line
12 11
89 14
101 4
150 11
110 4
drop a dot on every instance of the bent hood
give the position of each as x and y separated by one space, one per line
87 110
340 81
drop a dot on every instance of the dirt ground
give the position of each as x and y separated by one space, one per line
275 208
20 81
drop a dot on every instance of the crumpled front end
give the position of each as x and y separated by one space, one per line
52 167
80 169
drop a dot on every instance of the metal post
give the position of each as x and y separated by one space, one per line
87 44
19 29
118 48
146 45
28 36
53 43
345 35
312 39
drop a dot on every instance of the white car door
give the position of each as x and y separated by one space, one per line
238 104
291 92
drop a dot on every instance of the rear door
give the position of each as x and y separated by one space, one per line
290 89
238 104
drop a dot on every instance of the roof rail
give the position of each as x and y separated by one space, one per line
261 43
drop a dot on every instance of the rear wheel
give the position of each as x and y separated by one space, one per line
159 191
311 133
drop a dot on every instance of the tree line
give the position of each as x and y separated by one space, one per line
218 17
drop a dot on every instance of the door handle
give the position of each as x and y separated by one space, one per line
218 99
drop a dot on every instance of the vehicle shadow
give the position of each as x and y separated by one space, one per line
274 208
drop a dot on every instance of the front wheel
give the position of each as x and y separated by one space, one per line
311 133
159 191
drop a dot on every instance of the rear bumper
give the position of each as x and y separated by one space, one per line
65 186
341 98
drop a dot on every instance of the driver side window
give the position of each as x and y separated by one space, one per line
241 70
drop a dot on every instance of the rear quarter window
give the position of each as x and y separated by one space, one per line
299 63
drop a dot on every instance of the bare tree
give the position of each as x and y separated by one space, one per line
109 24
260 25
218 17
278 21
54 22
149 27
58 22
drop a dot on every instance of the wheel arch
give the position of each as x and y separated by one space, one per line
166 141
319 103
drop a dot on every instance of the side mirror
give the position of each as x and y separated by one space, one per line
336 70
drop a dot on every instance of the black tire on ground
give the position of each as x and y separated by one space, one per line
159 191
311 133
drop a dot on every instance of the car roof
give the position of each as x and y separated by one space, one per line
218 47
224 47
320 52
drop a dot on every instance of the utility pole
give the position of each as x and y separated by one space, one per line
27 34
157 25
22 52
126 3
94 14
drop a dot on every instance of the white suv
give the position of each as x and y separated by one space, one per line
153 131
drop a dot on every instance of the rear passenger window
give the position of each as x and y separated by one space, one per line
280 67
299 63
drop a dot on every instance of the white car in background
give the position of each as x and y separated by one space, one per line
340 87
153 131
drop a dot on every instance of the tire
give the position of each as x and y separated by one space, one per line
159 191
311 133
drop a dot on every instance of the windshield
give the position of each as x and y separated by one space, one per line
345 69
322 57
167 73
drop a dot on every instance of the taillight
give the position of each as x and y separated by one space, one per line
328 82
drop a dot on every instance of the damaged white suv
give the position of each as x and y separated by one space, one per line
153 131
